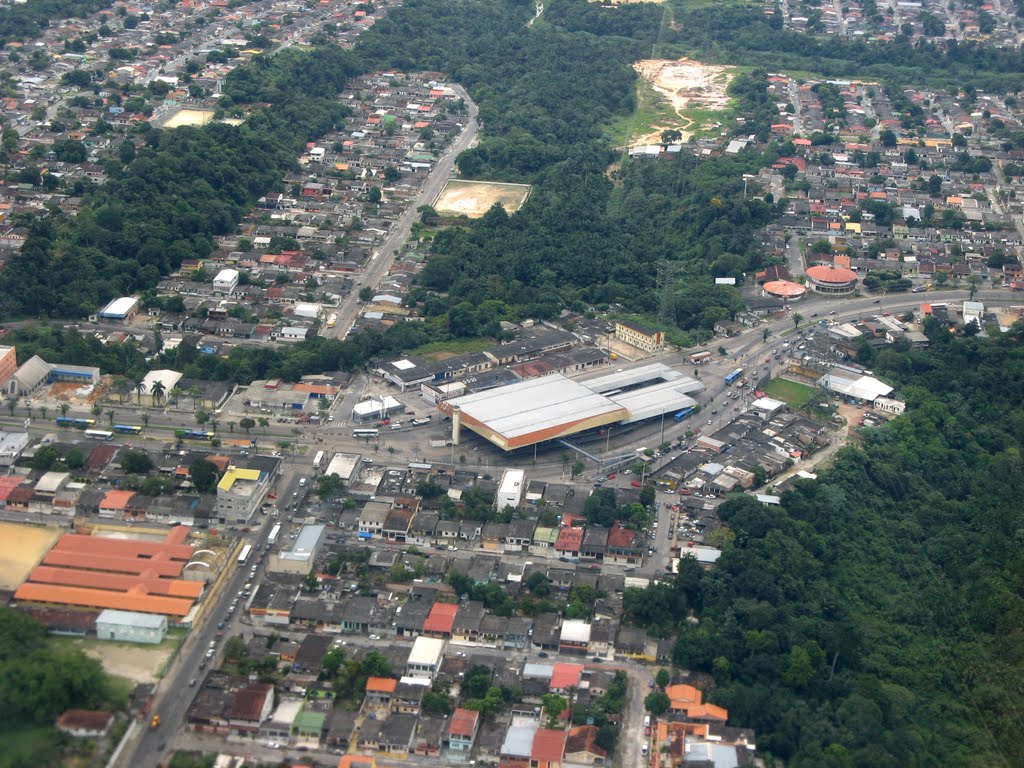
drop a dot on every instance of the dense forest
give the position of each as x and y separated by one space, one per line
875 618
37 683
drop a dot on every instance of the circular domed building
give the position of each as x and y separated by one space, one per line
837 281
786 290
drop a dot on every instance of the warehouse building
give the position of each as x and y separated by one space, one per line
301 557
121 310
554 407
131 626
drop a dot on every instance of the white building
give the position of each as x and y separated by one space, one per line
168 380
376 409
308 311
301 557
345 466
511 489
425 658
130 626
11 446
226 281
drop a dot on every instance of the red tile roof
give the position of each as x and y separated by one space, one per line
116 499
548 744
381 685
463 722
441 618
566 676
569 539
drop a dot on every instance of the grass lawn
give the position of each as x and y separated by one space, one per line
651 109
441 350
795 395
29 745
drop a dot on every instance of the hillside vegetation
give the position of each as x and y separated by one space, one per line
875 618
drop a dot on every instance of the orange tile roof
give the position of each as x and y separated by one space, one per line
381 685
441 618
315 389
463 722
708 712
116 499
99 598
681 694
548 745
566 676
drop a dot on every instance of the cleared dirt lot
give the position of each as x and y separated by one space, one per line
188 117
21 549
141 663
475 198
689 86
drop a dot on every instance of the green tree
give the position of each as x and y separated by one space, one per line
136 462
657 703
203 475
247 424
662 679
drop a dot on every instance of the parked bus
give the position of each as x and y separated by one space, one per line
367 433
69 421
243 556
318 459
683 413
274 533
99 434
127 429
700 358
730 378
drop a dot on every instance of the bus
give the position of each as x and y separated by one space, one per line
332 320
194 434
127 429
243 556
700 358
318 459
733 376
367 433
70 421
99 434
274 533
683 413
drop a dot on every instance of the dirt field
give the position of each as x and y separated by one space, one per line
189 117
141 663
475 198
688 85
21 549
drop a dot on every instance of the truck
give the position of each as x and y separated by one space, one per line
440 443
420 422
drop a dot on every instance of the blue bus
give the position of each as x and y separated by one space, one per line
733 376
69 421
127 429
194 434
684 413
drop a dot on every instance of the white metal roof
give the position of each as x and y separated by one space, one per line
131 619
536 405
575 631
664 397
865 388
426 650
343 465
632 376
119 307
165 376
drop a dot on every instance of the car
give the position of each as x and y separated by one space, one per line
644 750
650 683
542 655
452 548
213 643
636 484
221 625
628 472
611 476
192 683
375 637
596 658
832 312
814 314
877 301
709 422
209 654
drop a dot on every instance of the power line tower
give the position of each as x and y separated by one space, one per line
665 284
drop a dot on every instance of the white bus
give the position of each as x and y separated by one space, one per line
99 434
365 433
243 557
318 459
274 533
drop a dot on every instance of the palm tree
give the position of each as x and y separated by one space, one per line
157 390
64 408
231 426
263 422
145 419
797 319
11 403
140 388
43 411
194 392
213 423
175 393
110 416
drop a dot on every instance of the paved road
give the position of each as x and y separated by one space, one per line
384 256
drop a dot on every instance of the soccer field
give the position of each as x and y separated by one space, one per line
792 393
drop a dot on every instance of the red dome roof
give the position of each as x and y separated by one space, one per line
837 275
784 289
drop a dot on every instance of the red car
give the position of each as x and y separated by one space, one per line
636 483
611 476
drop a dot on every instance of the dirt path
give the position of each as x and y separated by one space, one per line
685 83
